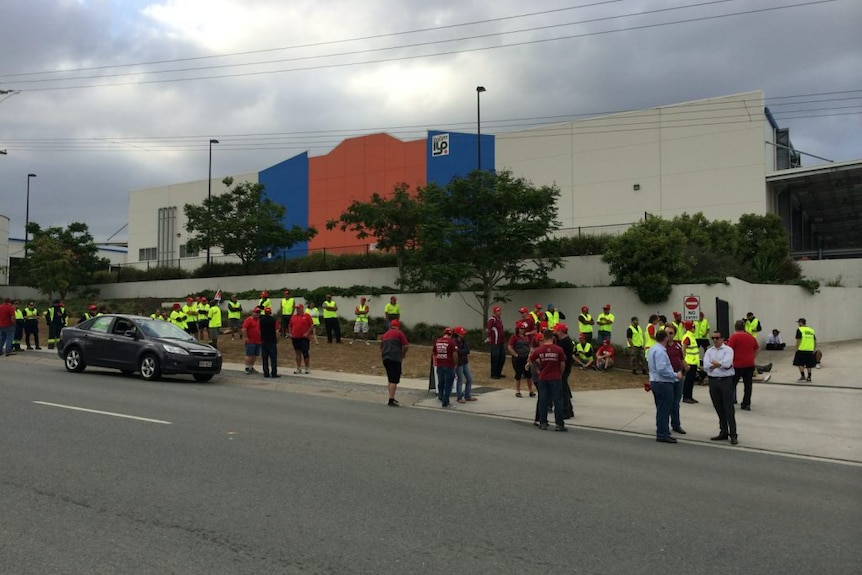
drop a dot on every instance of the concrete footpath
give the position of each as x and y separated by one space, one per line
818 419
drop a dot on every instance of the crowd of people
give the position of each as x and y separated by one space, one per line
673 365
675 354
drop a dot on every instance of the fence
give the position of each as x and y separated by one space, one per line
193 263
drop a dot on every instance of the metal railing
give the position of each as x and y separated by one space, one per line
193 263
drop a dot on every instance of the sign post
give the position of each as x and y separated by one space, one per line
691 308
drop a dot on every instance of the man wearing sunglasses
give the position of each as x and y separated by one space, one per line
718 363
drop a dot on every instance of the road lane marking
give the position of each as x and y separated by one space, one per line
72 407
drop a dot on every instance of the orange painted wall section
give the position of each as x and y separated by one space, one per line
354 170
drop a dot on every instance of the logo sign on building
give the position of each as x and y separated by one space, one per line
440 145
691 308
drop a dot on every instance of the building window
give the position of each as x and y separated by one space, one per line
187 253
147 254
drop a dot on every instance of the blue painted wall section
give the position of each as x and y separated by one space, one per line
456 157
287 184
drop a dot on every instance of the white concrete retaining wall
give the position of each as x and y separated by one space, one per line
833 313
846 273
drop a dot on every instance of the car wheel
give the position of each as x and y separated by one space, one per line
73 360
126 372
203 377
150 368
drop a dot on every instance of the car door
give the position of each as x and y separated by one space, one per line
94 341
121 349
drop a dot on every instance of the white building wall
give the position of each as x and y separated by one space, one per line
144 208
699 156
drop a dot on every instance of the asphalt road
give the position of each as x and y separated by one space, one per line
226 479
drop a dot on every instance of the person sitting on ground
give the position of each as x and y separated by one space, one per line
584 353
773 341
605 356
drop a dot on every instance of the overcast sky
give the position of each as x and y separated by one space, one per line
116 95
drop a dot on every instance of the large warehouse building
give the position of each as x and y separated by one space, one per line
722 156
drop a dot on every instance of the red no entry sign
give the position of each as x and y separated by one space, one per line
691 302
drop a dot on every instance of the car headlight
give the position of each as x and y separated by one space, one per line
174 349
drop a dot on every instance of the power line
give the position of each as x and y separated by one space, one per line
382 49
318 44
813 106
48 146
414 57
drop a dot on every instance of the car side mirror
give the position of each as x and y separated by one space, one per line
132 333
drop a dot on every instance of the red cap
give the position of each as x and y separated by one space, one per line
264 294
688 324
677 314
561 327
496 309
91 306
393 298
362 298
538 306
255 310
394 323
300 307
176 306
520 325
523 310
189 298
460 330
287 292
203 298
585 309
266 309
607 306
539 336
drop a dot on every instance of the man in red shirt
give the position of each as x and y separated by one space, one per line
496 339
550 360
393 348
7 327
445 355
301 327
251 337
605 356
744 347
527 318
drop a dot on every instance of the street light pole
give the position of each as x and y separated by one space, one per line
210 192
27 215
479 90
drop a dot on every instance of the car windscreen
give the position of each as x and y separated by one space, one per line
163 330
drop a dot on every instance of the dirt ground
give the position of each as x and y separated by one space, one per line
365 359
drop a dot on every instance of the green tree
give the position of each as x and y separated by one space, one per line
393 221
242 222
709 248
61 260
763 249
646 257
481 233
